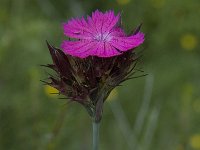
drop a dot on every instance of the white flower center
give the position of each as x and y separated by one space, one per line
102 37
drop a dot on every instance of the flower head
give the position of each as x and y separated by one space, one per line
89 81
99 35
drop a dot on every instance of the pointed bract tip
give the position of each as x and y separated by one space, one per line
137 29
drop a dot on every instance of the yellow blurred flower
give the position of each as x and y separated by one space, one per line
157 3
123 2
113 95
188 41
49 91
195 141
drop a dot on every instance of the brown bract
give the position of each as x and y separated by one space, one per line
89 81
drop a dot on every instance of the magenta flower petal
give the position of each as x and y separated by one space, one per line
127 43
78 48
104 22
86 48
99 35
77 28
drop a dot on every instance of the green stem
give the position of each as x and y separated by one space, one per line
95 127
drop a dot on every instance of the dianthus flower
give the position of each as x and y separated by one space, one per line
99 35
100 57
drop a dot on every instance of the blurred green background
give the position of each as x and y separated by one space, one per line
159 111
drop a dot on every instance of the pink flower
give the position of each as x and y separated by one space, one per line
99 35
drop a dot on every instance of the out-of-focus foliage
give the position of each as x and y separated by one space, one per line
159 111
